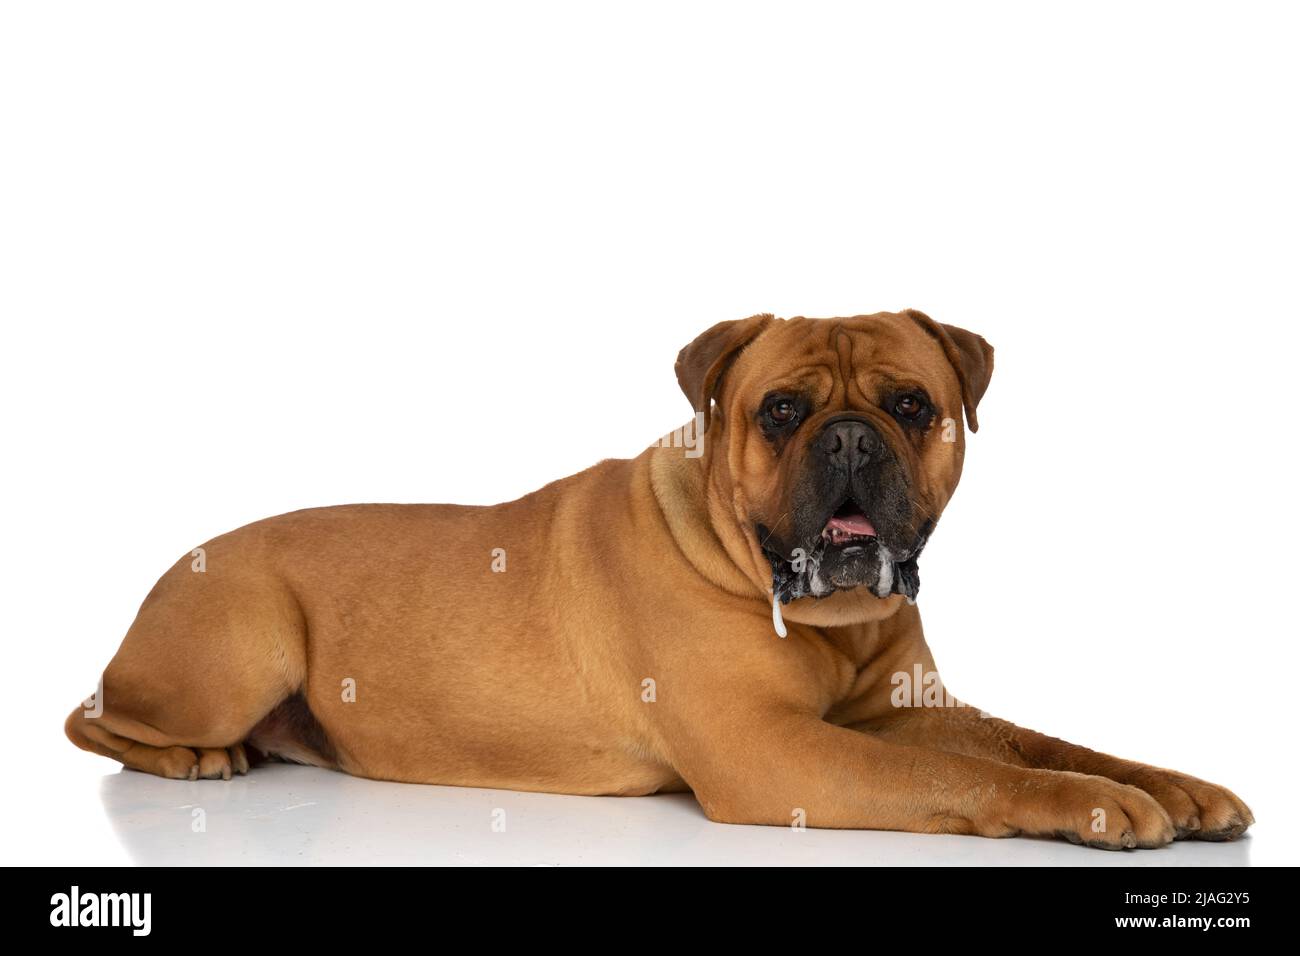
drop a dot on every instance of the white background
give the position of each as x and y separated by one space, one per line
262 256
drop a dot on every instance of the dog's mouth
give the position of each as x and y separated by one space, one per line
849 527
848 553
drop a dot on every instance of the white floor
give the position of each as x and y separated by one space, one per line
281 814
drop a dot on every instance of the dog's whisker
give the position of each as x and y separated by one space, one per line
772 530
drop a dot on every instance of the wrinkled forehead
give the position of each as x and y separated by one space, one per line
844 359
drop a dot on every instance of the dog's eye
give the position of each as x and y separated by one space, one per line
779 415
782 412
909 406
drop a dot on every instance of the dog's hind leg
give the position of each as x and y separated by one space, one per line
176 762
207 658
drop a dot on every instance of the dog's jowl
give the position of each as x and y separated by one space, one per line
727 616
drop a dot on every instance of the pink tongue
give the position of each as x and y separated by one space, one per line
853 524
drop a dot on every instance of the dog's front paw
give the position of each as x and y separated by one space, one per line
1200 810
1082 808
1101 813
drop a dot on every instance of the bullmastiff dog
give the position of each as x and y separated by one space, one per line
732 612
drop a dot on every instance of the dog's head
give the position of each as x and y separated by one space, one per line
836 442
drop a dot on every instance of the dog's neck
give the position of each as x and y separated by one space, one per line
681 490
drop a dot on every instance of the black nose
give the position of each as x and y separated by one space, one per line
850 443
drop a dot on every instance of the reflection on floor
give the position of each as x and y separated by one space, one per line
281 814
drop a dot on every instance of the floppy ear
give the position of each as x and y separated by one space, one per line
970 356
700 365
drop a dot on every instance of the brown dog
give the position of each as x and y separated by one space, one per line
737 620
